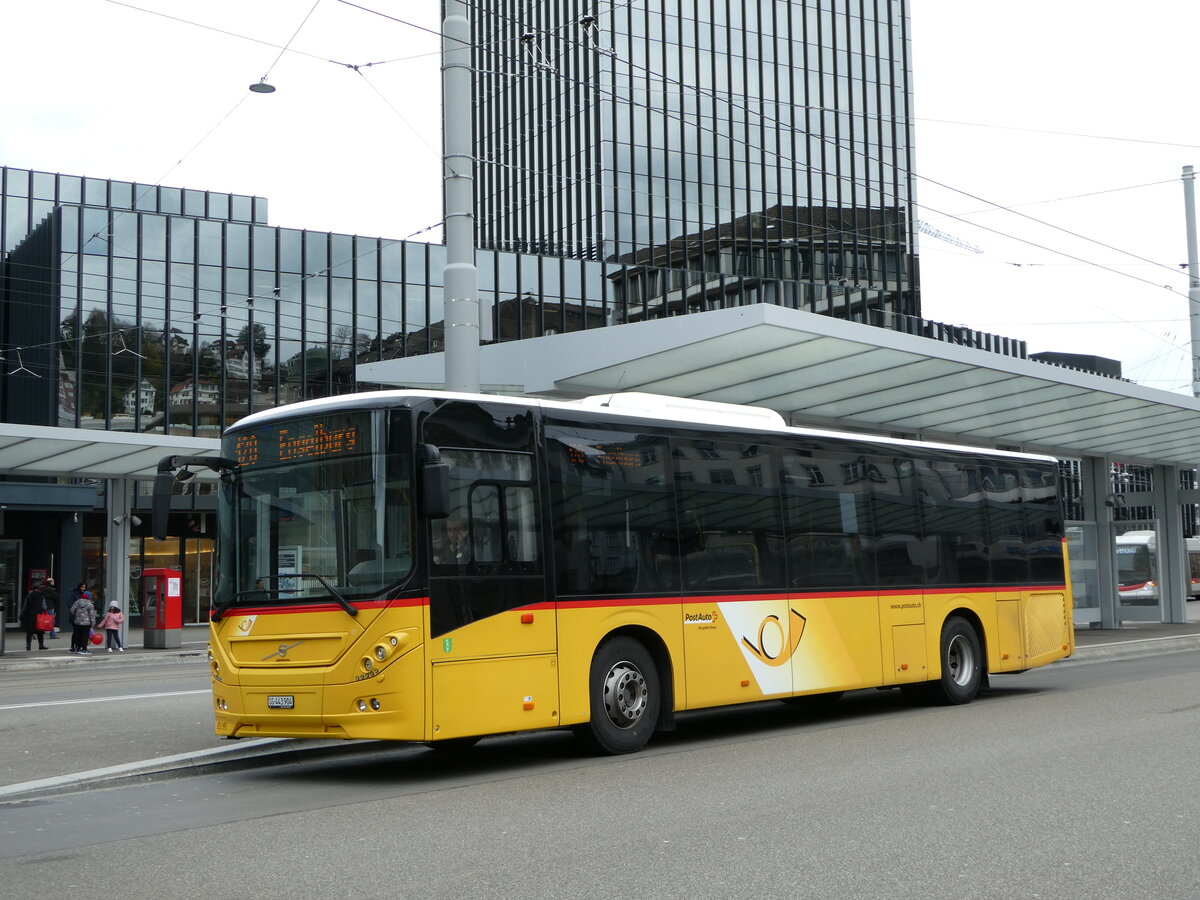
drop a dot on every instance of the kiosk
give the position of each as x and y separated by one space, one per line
162 609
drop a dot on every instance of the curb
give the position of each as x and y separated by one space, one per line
1176 643
33 663
243 754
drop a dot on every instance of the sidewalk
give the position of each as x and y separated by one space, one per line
194 645
1090 644
1138 639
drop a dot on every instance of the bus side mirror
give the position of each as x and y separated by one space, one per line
435 482
164 482
435 489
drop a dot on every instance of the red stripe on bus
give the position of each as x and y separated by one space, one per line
323 607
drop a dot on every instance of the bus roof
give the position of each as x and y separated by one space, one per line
621 405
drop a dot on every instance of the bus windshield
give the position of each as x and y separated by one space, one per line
315 509
1135 565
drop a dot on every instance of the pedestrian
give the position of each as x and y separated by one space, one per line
111 623
33 607
83 617
52 603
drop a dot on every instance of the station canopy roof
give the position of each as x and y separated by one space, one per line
828 372
37 451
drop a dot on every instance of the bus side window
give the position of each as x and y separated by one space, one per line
901 555
611 505
730 525
827 520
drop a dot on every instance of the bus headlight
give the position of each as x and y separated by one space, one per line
381 653
362 705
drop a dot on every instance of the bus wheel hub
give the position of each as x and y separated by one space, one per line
625 694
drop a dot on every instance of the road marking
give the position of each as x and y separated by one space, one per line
104 699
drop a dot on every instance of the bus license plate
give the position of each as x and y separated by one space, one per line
281 701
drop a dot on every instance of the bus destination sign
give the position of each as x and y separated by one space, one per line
297 441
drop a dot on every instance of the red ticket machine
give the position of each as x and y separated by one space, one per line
162 608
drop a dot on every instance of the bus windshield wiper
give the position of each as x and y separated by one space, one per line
342 601
220 610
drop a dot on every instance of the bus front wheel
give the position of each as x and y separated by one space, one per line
626 697
962 663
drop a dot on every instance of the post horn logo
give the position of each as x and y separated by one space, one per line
776 644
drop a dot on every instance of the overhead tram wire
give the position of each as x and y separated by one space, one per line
1117 190
1081 260
1172 269
743 108
729 99
282 49
1094 137
683 87
286 46
246 37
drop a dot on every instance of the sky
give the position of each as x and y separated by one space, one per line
1050 136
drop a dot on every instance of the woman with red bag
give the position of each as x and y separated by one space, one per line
33 608
83 617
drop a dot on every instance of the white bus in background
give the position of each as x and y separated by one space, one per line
1137 568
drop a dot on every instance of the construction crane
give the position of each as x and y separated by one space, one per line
926 228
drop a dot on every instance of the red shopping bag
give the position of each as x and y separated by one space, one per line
44 622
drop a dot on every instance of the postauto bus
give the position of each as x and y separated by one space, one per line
437 567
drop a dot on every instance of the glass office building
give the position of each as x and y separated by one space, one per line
768 140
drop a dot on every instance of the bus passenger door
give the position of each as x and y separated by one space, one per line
493 631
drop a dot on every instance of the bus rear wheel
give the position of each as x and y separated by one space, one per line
962 663
626 697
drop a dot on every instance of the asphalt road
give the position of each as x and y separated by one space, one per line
54 722
1074 781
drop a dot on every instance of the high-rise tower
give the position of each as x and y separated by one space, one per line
767 139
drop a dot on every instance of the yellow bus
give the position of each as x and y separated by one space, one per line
436 567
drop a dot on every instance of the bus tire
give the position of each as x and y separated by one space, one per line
962 663
625 695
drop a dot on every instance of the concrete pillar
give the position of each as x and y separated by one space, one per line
1097 490
1172 555
116 577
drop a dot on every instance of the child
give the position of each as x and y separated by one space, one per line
111 623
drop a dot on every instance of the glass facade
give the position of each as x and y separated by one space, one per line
767 141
